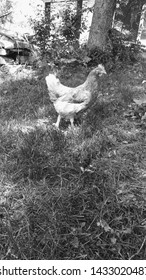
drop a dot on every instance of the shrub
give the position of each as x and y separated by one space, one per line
118 52
62 42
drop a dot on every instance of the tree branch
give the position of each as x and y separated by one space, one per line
5 14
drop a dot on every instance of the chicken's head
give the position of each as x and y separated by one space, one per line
99 70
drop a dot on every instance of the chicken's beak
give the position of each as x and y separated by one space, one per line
102 73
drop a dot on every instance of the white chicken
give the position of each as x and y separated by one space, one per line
69 101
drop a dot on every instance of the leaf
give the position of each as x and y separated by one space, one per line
113 240
83 224
127 231
144 117
75 242
105 226
140 101
87 59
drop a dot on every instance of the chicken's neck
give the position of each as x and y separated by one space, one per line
91 81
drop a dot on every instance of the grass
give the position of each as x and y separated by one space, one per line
72 194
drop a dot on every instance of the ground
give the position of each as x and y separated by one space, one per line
73 193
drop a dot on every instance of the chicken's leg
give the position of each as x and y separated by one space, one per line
58 121
72 122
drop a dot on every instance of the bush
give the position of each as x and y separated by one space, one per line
68 24
58 42
118 52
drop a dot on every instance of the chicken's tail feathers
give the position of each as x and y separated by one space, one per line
52 85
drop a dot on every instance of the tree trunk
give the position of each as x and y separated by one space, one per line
130 15
48 15
101 23
78 18
134 11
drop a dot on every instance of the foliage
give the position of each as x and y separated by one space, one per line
68 24
41 30
118 52
5 8
128 12
122 50
69 20
62 41
52 47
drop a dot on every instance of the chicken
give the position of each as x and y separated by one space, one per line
69 101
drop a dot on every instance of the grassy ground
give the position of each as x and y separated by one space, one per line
72 194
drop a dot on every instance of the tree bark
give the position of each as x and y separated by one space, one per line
101 23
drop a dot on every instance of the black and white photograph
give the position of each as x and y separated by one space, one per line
73 135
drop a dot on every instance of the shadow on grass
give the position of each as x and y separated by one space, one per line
72 197
25 99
